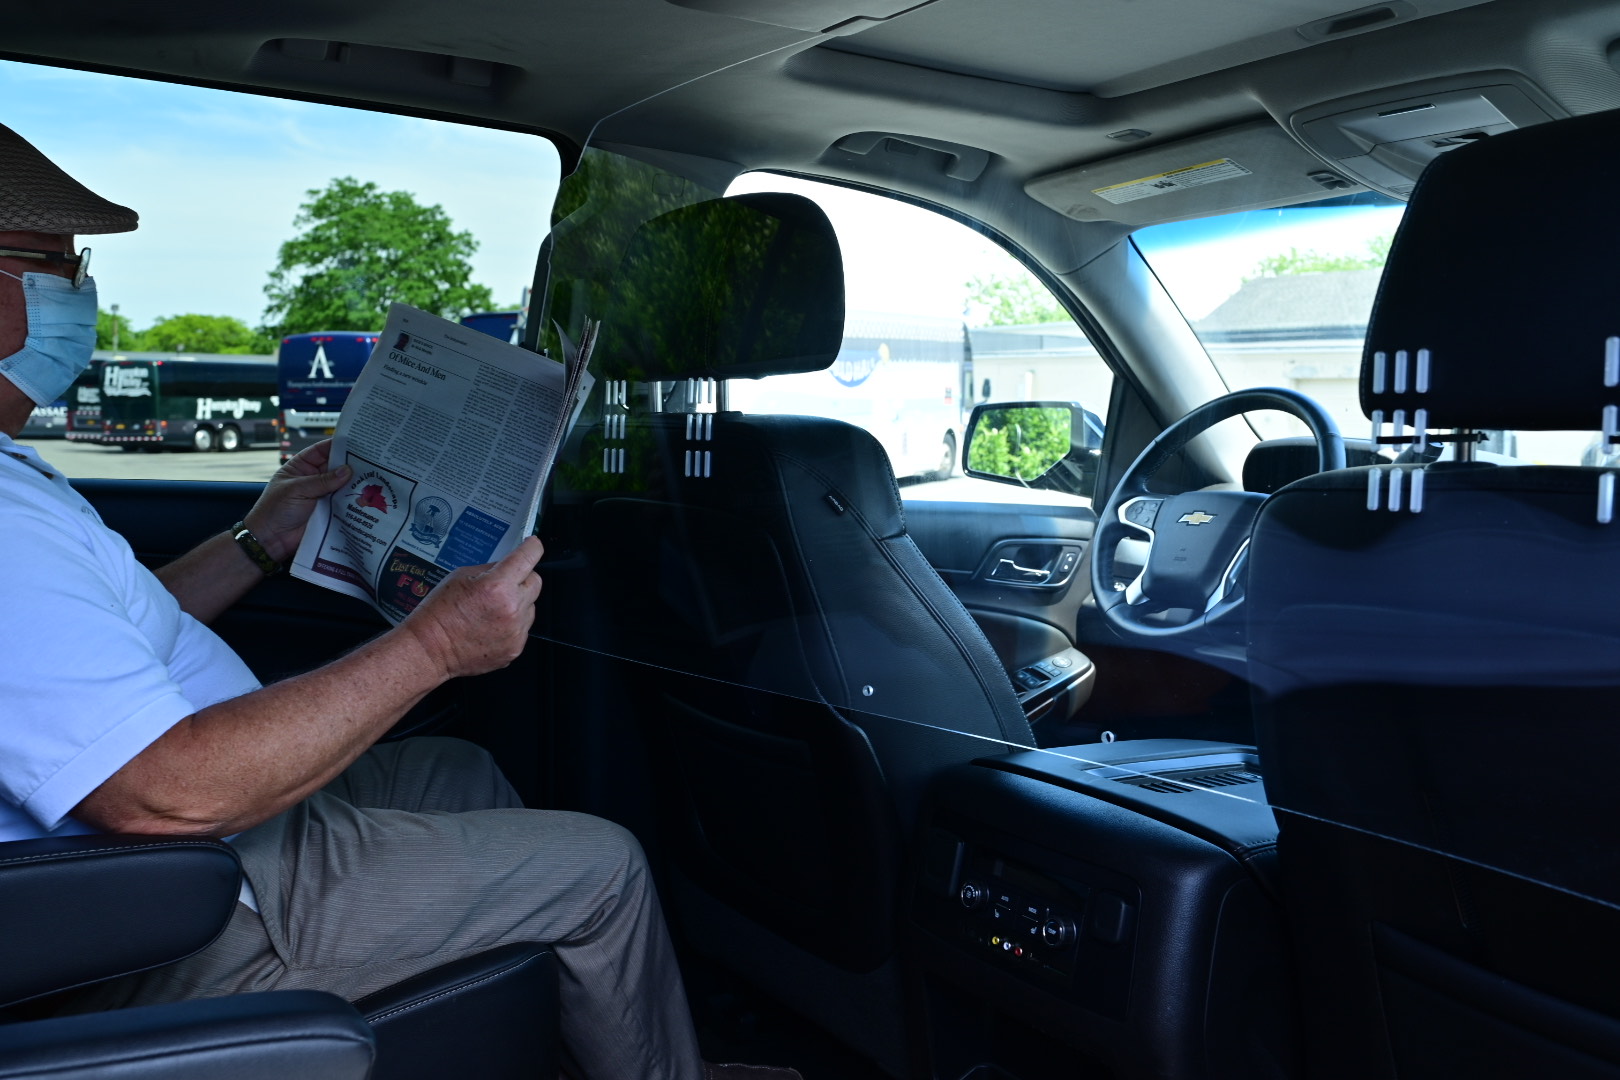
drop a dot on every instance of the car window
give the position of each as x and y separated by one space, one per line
260 218
938 319
1282 297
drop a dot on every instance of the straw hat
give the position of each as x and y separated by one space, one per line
36 196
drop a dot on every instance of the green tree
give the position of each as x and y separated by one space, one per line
202 334
1013 300
105 335
362 248
1310 261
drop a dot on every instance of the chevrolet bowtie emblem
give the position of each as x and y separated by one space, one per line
1197 517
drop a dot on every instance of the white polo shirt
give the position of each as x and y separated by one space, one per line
96 658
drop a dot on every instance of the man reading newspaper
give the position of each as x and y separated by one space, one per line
364 865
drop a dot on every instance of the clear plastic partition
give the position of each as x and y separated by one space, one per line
737 529
729 541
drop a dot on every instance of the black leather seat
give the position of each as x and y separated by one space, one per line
1436 679
78 910
800 669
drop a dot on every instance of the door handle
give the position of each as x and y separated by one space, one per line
1007 570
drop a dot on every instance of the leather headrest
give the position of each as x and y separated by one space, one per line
742 287
1500 303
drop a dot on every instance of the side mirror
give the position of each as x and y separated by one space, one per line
1055 445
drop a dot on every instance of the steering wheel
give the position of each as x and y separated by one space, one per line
1197 540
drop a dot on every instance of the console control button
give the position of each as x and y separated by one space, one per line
1058 931
973 895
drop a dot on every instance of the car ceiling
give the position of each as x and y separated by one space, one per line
1021 88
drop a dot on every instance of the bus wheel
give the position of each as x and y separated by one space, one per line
128 447
230 438
947 457
202 439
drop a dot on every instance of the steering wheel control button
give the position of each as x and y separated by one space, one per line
1143 512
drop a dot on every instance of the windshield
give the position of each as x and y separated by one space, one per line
1281 297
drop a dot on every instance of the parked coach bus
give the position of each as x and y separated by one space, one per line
204 403
316 372
84 404
898 376
506 325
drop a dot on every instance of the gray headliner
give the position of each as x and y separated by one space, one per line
775 97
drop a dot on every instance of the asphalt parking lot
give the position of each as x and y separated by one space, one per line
89 461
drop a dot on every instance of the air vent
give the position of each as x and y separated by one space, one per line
1181 782
1176 775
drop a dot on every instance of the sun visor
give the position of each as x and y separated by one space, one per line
1246 167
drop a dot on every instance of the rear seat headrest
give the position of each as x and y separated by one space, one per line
741 287
1500 303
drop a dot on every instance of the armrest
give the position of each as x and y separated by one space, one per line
287 1033
79 909
492 1016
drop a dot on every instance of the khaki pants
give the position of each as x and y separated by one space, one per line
420 854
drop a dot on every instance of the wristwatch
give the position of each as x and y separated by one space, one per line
249 543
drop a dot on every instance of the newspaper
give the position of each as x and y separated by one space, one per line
451 435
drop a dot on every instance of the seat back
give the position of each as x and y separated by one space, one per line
1433 646
800 669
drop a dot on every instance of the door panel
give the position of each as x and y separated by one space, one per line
971 545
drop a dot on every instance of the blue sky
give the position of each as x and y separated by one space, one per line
217 178
1204 261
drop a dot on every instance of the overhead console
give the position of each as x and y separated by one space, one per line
1385 139
1101 911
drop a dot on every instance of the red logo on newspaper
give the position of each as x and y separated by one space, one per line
372 495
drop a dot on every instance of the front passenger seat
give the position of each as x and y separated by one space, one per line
802 669
1437 649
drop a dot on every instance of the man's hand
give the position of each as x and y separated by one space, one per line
279 517
478 618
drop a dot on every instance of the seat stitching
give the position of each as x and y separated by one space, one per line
419 1002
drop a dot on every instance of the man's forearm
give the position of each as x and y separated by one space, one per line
233 765
218 572
211 577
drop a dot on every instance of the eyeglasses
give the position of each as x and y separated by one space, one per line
79 262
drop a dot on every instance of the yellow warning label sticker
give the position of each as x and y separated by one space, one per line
1175 180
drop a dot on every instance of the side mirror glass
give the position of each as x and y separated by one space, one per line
1055 445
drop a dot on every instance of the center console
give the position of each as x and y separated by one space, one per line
1101 911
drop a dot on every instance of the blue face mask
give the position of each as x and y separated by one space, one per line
61 336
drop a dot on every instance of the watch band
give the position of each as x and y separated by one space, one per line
250 544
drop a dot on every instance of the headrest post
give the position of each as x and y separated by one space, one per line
1463 444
